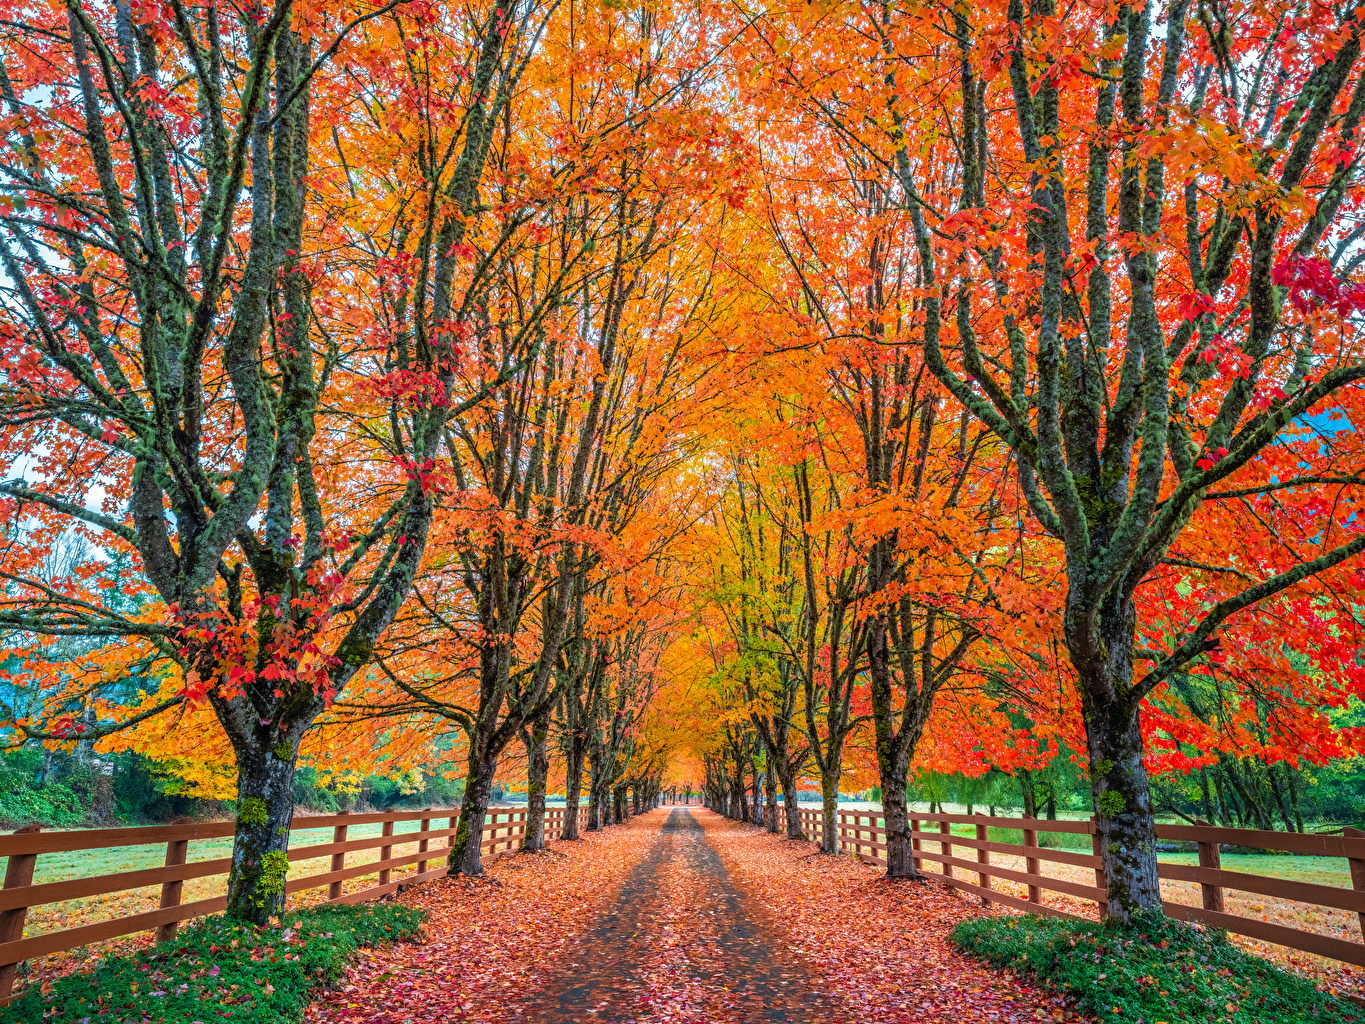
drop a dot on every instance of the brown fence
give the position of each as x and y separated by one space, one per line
860 833
503 830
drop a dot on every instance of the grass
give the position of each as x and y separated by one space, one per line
1158 972
56 867
1322 870
217 969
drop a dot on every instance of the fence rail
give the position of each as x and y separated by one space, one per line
504 828
859 833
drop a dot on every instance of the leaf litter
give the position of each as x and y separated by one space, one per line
655 922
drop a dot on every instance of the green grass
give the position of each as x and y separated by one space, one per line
1322 870
218 970
1047 840
56 867
1158 972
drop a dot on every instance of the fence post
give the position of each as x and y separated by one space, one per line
338 859
1097 846
19 872
422 843
1357 872
177 852
946 830
1035 893
983 856
915 847
385 852
1209 858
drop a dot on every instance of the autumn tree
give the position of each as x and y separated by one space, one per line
167 347
1159 333
542 480
756 591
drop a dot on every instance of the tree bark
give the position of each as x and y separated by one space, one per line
1030 794
573 787
536 736
260 847
770 786
789 803
466 854
829 826
1126 821
594 790
895 810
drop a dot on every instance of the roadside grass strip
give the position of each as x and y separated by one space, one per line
216 970
1158 971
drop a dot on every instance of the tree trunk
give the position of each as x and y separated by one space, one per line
1280 800
1208 797
537 777
1293 795
756 795
790 806
1125 819
895 810
770 787
573 786
466 855
1251 806
594 792
829 827
265 810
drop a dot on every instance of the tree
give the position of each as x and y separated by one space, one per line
169 344
1157 369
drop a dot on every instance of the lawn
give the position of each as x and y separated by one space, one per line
56 867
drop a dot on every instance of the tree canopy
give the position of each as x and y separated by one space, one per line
612 396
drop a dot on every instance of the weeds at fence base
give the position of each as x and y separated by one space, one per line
1157 972
217 970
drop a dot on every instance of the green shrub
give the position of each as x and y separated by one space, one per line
55 803
217 970
1157 971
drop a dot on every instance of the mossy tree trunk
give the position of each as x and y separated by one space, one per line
829 794
260 846
466 852
536 735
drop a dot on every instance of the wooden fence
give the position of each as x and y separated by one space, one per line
860 833
503 830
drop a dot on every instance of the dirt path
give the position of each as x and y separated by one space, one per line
682 942
681 917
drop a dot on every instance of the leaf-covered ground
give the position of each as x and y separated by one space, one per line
660 921
490 943
882 946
